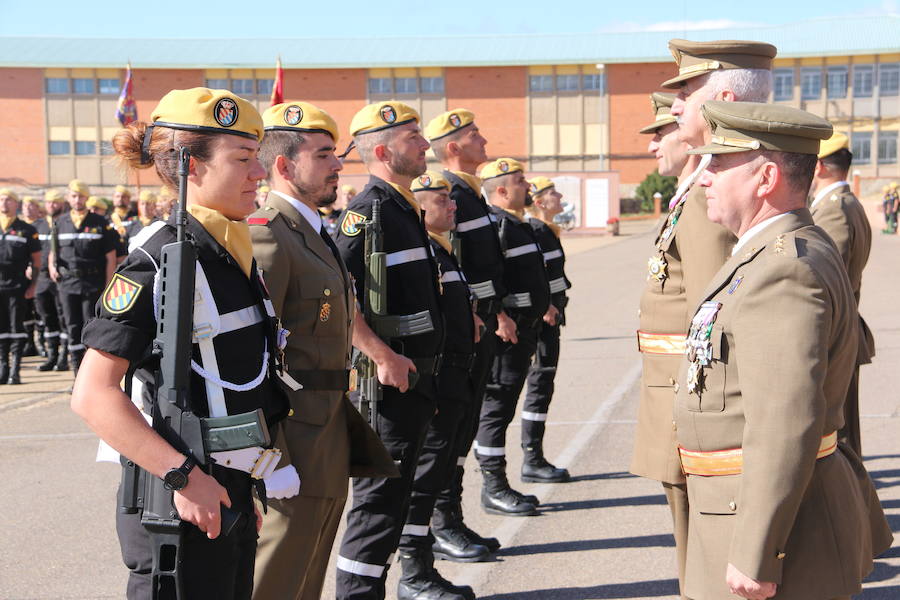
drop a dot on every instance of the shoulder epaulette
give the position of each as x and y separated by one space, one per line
256 219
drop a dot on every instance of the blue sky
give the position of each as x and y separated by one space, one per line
373 18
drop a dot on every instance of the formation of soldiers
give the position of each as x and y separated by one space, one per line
452 284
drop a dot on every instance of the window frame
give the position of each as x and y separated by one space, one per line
380 92
783 74
890 67
541 89
861 69
844 71
857 141
810 73
68 85
883 138
568 78
68 147
93 86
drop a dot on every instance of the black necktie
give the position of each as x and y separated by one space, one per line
330 243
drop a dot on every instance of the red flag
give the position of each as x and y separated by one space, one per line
278 88
126 108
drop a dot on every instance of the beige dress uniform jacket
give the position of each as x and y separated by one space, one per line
693 251
783 349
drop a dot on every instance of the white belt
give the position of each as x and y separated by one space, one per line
15 238
552 254
44 236
520 250
258 462
80 236
405 256
450 276
473 224
558 285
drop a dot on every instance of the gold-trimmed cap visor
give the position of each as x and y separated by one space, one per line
698 58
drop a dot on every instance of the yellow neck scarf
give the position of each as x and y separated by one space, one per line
234 236
520 214
77 219
5 221
145 221
443 239
121 212
472 181
409 197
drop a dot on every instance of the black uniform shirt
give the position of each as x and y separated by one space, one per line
525 274
456 304
126 326
412 277
17 244
555 259
44 230
82 252
476 228
331 221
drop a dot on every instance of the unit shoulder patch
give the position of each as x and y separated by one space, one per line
121 294
350 223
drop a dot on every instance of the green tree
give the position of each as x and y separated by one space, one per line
654 182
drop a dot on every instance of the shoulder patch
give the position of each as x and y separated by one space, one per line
350 223
121 294
258 220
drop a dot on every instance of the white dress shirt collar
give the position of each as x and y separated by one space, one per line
826 190
754 230
312 216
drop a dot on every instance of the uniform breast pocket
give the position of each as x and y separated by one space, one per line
709 395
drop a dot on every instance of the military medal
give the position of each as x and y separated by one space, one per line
656 265
325 312
699 343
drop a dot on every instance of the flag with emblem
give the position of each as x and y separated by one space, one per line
120 294
126 108
350 224
278 87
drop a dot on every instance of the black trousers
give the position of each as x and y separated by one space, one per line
450 495
380 505
219 569
78 309
507 377
437 460
12 315
539 391
49 309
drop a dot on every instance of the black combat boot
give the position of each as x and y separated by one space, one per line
63 363
455 545
41 340
420 580
15 362
52 347
499 499
76 355
4 361
446 525
536 469
30 349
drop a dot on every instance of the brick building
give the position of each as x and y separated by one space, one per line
568 105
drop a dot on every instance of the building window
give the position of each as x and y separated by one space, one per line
783 80
889 79
108 86
406 85
432 85
84 148
82 86
811 83
57 85
837 82
887 147
243 86
540 83
863 81
380 85
57 148
106 148
567 82
217 84
861 147
264 87
592 82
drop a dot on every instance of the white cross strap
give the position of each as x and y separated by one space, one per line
80 236
521 250
405 256
450 277
553 254
15 238
473 224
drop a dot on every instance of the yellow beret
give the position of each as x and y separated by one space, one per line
53 196
347 188
449 122
166 193
540 184
300 116
836 142
97 202
10 193
500 167
429 180
893 185
263 189
121 189
698 58
79 187
382 115
31 200
210 111
147 196
661 103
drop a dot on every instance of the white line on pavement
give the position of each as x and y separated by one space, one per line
37 437
510 528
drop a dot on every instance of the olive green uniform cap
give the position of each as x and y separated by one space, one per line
699 58
661 103
746 126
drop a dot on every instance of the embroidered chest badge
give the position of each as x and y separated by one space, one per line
735 284
120 294
656 267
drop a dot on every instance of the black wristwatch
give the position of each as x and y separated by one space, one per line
177 479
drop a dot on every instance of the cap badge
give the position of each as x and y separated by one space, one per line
226 112
503 166
534 188
388 114
455 120
293 114
425 180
